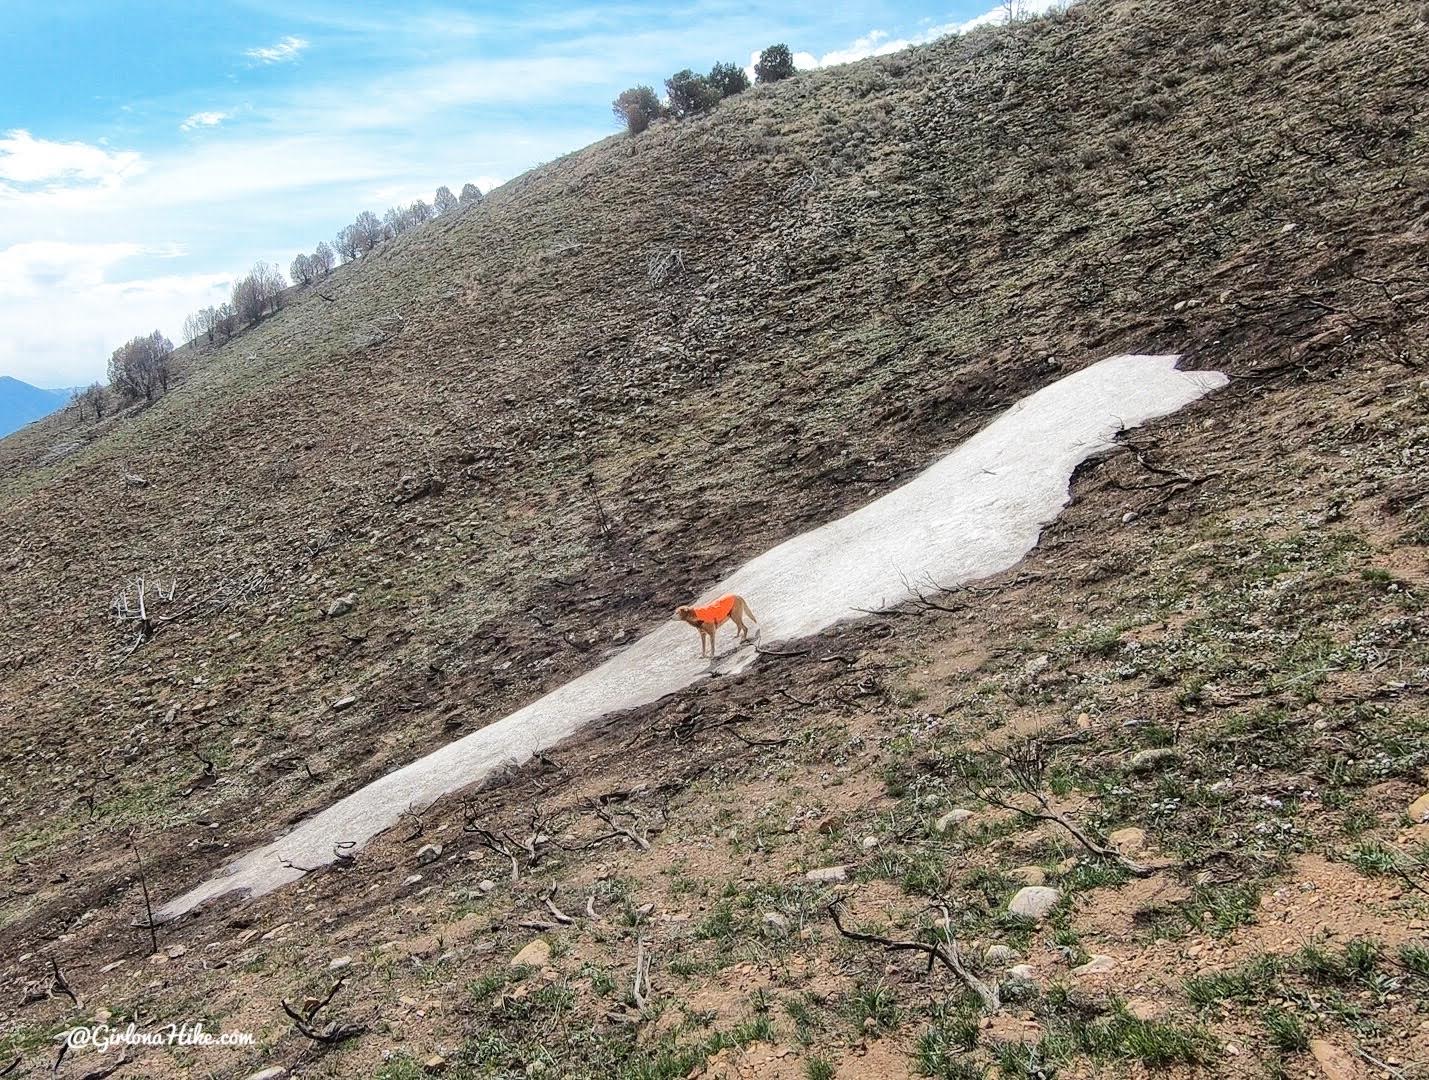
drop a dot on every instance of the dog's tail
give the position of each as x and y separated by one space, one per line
745 607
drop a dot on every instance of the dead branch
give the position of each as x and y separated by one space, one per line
605 816
1026 764
640 990
946 952
557 913
148 904
61 984
334 1032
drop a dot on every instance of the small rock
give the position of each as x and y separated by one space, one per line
951 818
341 606
536 954
130 480
828 874
1097 965
1021 973
1128 517
276 1072
1334 1063
428 853
1036 665
1155 758
344 703
435 1064
101 1016
1028 875
1000 955
411 879
176 951
1128 841
1034 901
486 885
869 843
1419 809
339 963
776 922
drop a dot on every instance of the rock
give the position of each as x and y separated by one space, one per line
1419 809
176 951
130 480
101 1016
1036 666
1034 901
1128 517
776 923
827 874
951 818
1021 973
341 606
1000 955
428 853
435 1064
486 885
1155 758
344 703
1028 875
339 963
1335 1064
537 954
1097 965
1128 841
869 843
277 1072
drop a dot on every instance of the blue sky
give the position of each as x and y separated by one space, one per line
150 151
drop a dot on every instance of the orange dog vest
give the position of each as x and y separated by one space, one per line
717 611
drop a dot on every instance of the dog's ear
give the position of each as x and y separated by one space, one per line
681 612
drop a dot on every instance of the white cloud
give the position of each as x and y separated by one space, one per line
28 164
65 309
281 52
203 119
878 43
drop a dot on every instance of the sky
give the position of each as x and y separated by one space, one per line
152 150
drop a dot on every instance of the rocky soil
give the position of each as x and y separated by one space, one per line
1191 723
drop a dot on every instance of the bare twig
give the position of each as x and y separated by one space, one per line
945 952
334 1032
640 990
148 904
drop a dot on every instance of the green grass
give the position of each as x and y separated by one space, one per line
1286 1031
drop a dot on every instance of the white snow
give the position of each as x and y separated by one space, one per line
976 511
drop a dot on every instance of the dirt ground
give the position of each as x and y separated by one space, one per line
1220 643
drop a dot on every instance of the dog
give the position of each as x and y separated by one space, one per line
706 619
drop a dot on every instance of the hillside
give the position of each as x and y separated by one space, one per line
21 403
516 442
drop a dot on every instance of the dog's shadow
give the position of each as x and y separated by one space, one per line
723 663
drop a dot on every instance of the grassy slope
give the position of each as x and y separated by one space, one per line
876 258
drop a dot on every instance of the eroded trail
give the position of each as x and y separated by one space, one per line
975 512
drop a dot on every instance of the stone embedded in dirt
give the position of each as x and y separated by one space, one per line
1097 965
828 874
176 951
951 818
486 885
536 954
776 922
1000 955
1335 1064
341 606
869 843
101 1016
1036 666
276 1072
1034 901
344 703
412 879
1021 973
1028 875
428 853
1419 809
435 1064
1129 517
339 963
1155 758
1128 841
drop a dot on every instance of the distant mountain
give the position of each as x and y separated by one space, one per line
20 403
